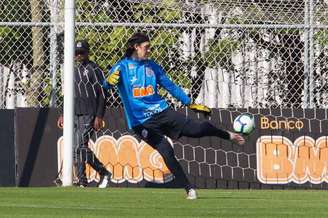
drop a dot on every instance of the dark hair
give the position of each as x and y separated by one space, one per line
135 39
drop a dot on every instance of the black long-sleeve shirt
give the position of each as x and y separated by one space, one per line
89 96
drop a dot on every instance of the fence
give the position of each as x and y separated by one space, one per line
224 53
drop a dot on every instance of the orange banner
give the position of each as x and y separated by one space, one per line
126 158
280 161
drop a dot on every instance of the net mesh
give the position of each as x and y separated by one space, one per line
288 147
214 161
224 53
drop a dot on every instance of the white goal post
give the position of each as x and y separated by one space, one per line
69 42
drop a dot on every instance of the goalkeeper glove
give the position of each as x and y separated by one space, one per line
200 109
113 79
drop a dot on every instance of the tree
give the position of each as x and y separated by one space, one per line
34 90
108 44
15 48
285 45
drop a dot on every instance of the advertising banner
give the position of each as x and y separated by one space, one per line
287 148
36 134
7 148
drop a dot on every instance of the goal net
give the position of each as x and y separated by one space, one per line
266 58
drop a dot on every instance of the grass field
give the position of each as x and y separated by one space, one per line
141 202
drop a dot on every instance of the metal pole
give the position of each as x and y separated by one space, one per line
69 92
11 94
306 55
2 73
213 82
168 25
311 56
53 51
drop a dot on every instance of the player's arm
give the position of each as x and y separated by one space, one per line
170 86
113 78
178 93
60 121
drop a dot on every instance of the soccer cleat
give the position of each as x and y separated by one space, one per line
82 184
58 182
192 195
104 181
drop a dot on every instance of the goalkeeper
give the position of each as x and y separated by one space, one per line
148 114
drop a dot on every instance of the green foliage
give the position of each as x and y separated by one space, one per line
321 14
166 51
166 12
288 31
107 45
12 47
321 37
8 37
88 12
162 44
252 12
14 10
170 11
14 41
142 10
221 51
46 89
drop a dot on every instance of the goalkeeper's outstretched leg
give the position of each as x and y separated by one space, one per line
174 125
197 129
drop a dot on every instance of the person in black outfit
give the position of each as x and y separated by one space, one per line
89 102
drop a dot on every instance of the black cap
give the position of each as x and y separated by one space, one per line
82 46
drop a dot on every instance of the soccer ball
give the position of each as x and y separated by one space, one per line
244 124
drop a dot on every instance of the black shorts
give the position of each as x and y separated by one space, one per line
169 123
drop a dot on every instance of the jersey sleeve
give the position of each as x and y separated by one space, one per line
170 86
105 84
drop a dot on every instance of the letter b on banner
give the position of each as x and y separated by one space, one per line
273 159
